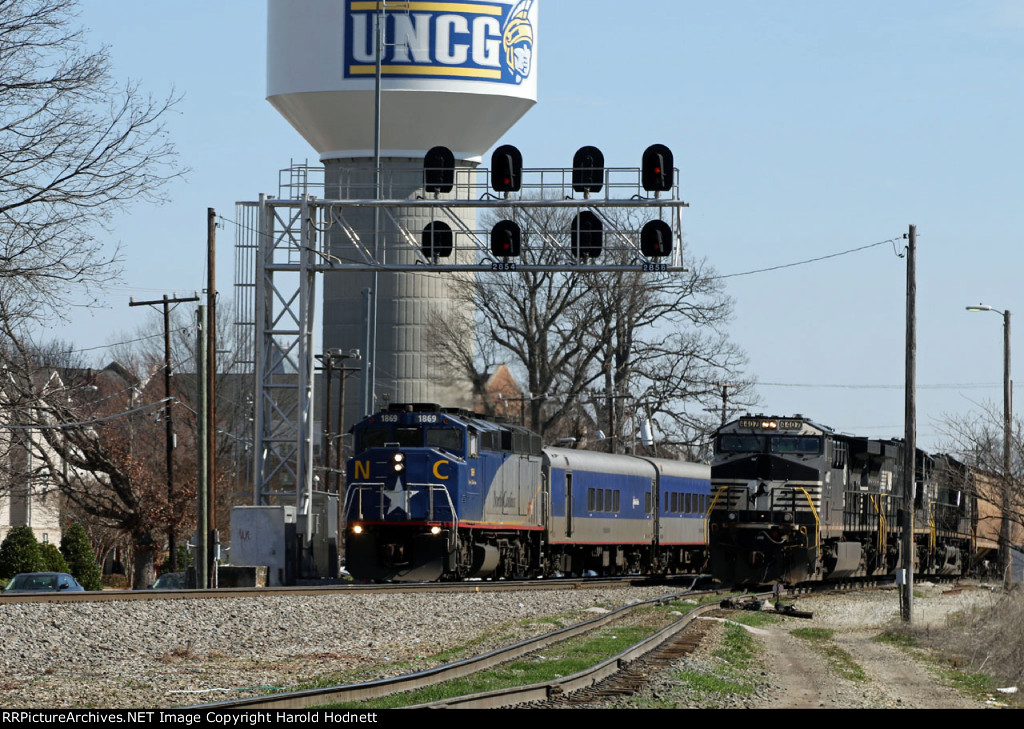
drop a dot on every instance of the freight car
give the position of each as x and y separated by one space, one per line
794 501
443 494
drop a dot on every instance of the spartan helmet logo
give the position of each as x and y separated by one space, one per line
517 41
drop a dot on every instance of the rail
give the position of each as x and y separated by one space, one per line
505 697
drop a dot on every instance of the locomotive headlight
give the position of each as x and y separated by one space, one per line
732 516
357 529
435 530
399 462
788 518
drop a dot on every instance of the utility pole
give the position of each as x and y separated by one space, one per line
172 541
339 446
1005 558
211 407
725 398
910 430
202 489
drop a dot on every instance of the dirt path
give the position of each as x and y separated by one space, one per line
793 672
803 679
801 676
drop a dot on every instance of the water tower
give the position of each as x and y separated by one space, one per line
361 79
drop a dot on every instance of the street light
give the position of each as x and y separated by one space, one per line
1004 524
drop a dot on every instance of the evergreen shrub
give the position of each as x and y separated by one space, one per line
20 552
81 560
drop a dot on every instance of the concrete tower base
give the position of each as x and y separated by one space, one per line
408 365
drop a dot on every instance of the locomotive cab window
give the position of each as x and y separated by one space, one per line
732 443
449 439
800 444
367 438
409 437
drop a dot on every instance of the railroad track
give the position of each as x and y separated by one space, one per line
671 639
229 592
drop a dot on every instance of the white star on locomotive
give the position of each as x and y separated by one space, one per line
398 497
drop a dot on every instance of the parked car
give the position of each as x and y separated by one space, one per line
43 582
170 581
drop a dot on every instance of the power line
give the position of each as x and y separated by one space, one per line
118 344
945 386
809 260
95 421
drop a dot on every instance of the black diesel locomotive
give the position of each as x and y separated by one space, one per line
435 493
794 501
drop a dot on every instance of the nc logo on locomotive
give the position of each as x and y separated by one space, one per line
468 40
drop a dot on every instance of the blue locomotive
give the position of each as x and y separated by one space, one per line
444 494
794 501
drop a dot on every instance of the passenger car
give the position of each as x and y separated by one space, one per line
43 582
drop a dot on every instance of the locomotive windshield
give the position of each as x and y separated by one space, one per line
732 443
738 443
796 444
409 437
413 436
450 439
367 438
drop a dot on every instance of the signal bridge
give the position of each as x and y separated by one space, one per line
585 218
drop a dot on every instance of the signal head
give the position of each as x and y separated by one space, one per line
657 169
437 240
439 170
588 170
506 169
586 233
506 239
656 239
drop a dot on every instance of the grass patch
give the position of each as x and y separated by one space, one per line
840 661
471 648
738 648
502 635
897 637
978 685
710 684
756 619
563 659
737 654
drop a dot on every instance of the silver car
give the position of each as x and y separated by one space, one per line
43 582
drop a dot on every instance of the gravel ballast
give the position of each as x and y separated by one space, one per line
167 653
170 653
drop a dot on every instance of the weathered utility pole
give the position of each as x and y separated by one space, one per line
202 488
725 398
1005 558
172 541
910 430
211 406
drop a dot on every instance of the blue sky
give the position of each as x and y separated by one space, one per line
800 129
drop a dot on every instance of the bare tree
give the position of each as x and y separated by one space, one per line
96 436
74 149
533 319
591 345
976 438
662 349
